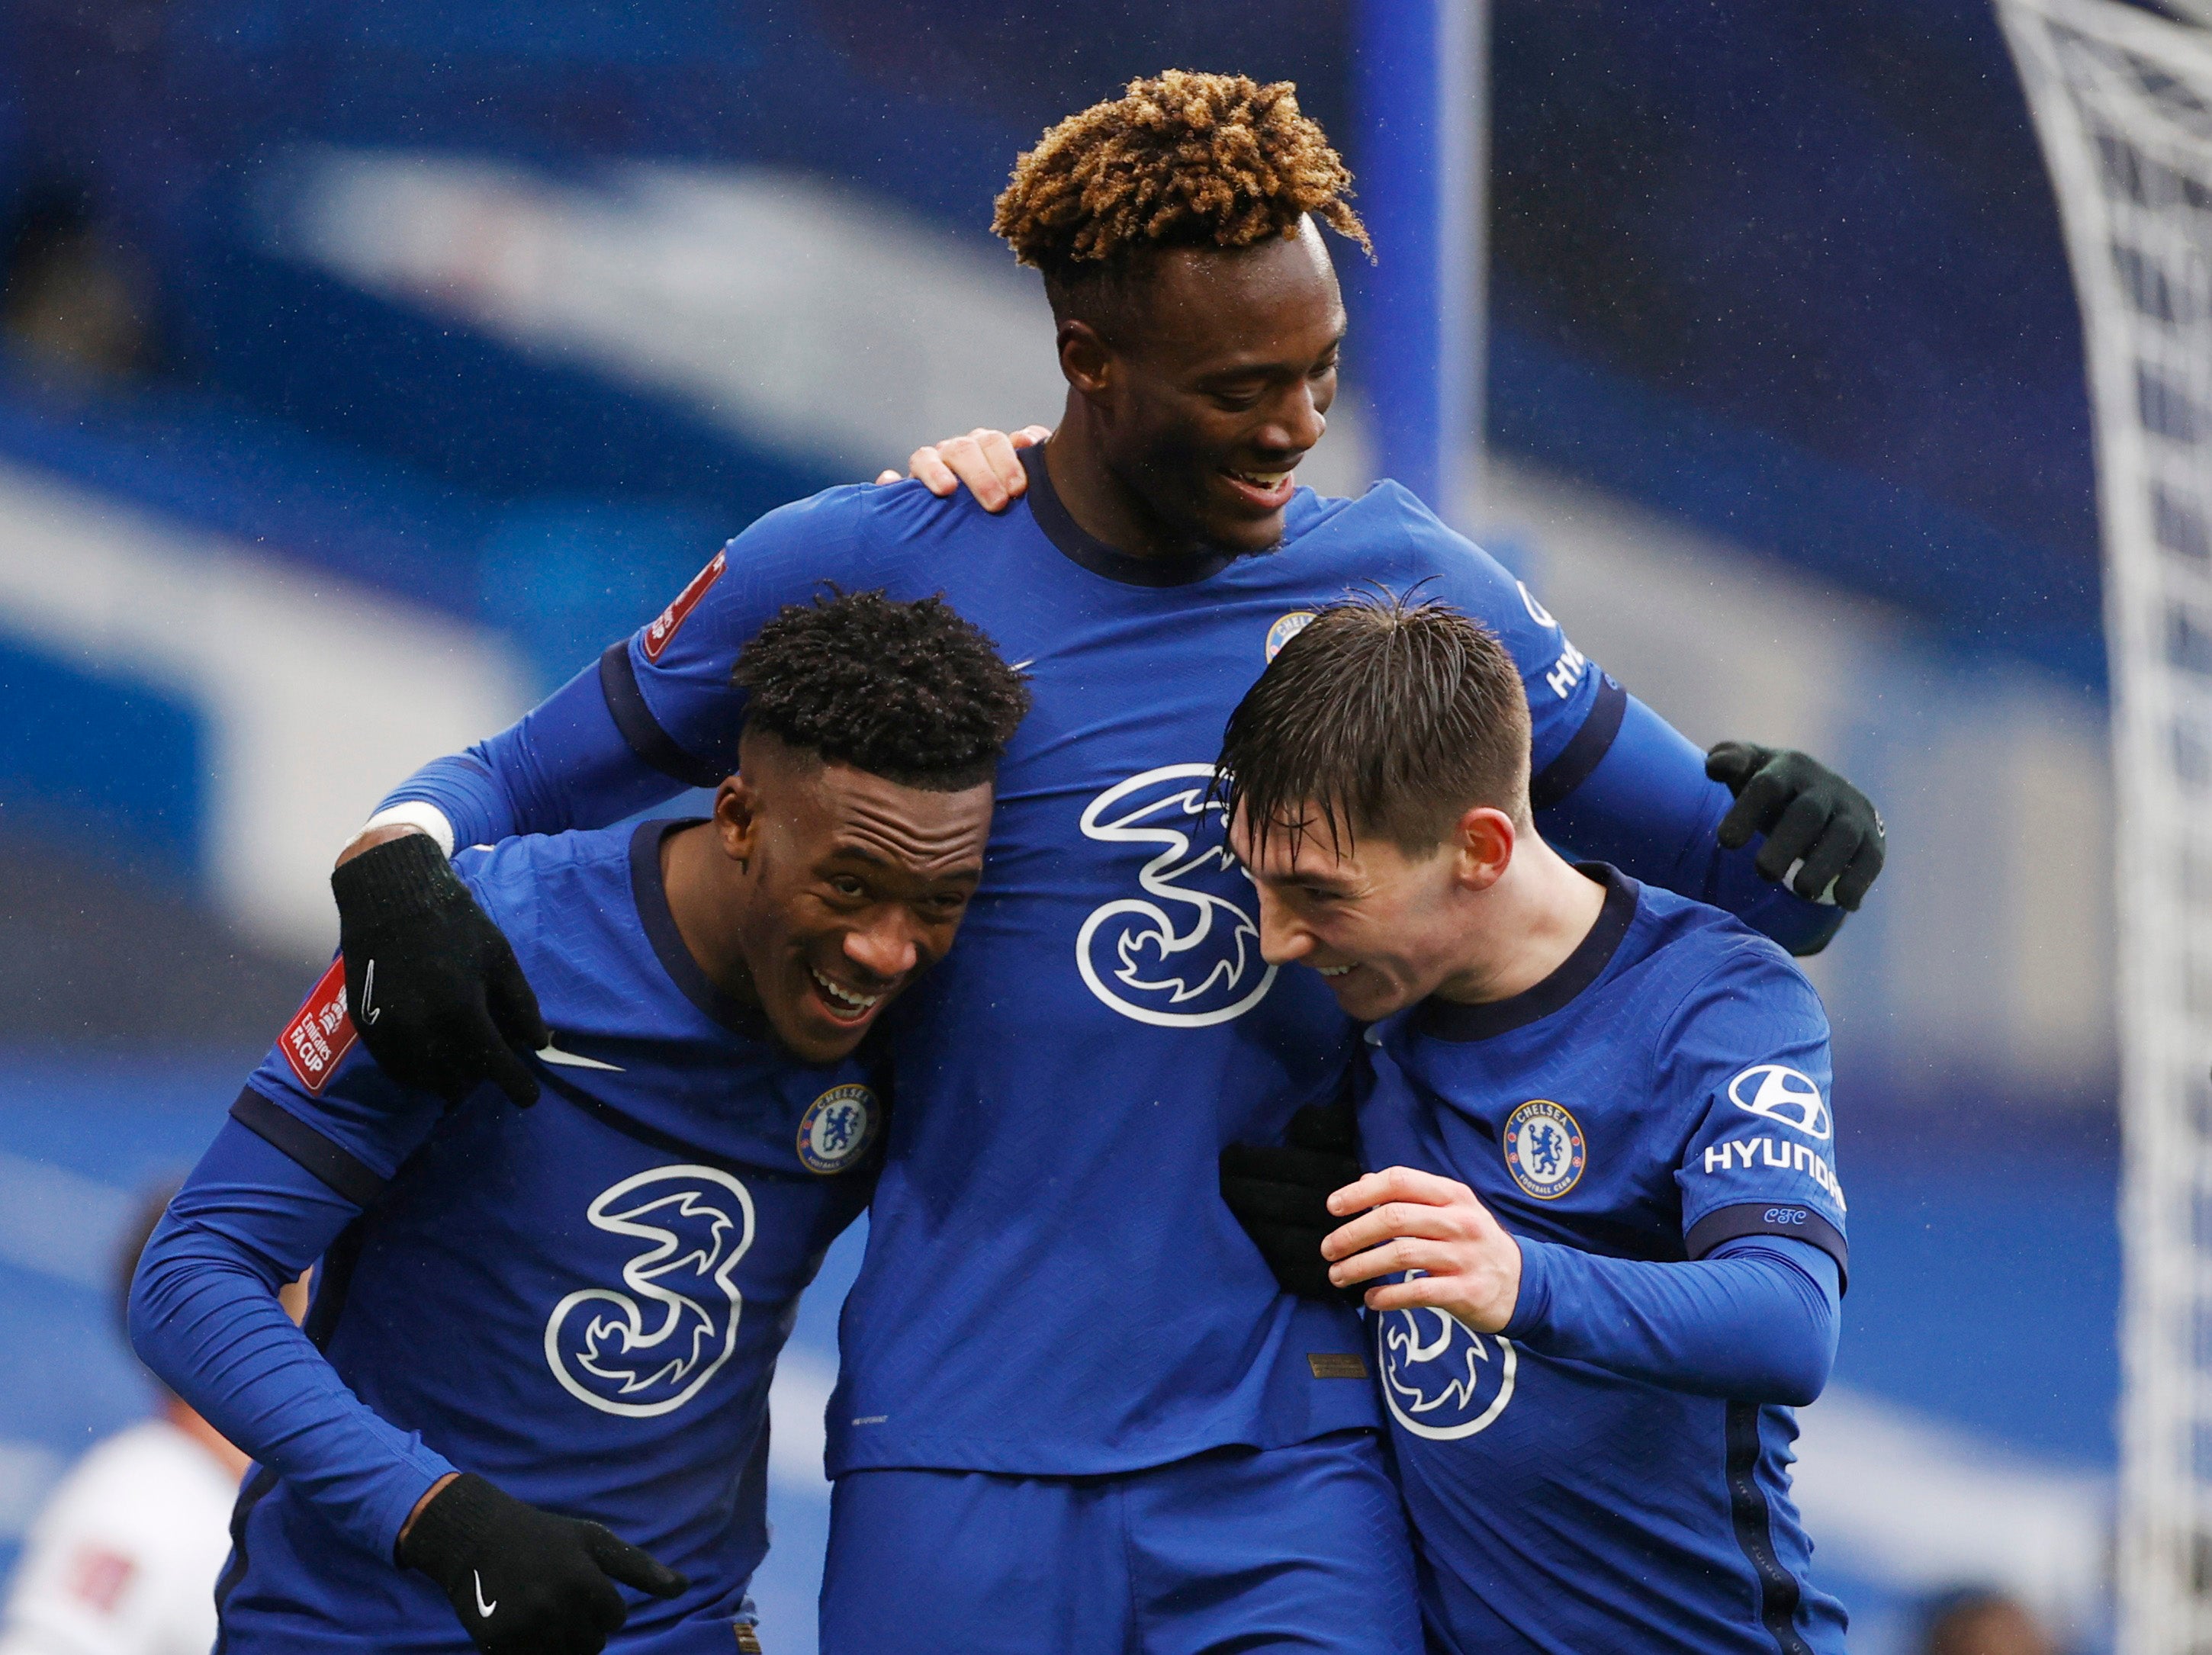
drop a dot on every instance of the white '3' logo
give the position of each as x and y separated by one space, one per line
1443 1380
1185 954
649 1350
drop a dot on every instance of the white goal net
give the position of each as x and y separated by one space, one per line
2123 103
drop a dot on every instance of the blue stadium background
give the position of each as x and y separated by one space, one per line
1787 422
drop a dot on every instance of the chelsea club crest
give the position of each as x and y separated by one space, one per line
1286 629
1544 1149
837 1129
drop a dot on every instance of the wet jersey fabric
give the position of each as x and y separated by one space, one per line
1661 1097
1052 1285
1298 1548
582 1302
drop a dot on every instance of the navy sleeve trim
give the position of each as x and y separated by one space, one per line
626 704
1791 1218
1584 751
294 1139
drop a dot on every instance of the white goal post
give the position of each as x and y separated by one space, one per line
2122 104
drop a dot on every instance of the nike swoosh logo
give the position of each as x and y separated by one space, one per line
482 1608
370 1011
551 1053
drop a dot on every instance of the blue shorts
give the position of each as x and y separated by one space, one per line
1303 1547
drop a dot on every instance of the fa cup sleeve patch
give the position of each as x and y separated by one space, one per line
320 1033
658 634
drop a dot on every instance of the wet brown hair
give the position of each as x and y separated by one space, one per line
1386 716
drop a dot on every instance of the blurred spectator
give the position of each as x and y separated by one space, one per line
123 1560
1981 1622
71 296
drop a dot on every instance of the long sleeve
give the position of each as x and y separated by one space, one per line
1755 1321
1646 805
204 1316
657 713
564 764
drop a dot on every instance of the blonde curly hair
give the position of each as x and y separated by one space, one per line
1185 159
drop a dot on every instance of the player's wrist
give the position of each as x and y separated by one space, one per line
1505 1292
409 815
369 838
405 874
448 1523
1526 1310
429 1495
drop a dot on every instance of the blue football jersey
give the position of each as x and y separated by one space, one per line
1052 1285
582 1301
1664 1091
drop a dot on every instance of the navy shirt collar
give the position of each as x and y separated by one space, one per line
652 913
1450 1019
1094 554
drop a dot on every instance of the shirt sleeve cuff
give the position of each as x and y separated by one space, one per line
1585 749
1792 1219
626 704
415 1475
1532 1306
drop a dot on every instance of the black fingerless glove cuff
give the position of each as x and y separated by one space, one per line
403 876
455 1524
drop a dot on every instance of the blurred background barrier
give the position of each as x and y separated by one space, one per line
364 370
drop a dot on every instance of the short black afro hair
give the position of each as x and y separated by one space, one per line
911 691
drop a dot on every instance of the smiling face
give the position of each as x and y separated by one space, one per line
1384 929
835 889
1220 386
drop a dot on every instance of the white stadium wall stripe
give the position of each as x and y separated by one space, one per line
284 665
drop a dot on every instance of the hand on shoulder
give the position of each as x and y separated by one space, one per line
985 461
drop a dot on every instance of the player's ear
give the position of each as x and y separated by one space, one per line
1485 837
1085 360
737 818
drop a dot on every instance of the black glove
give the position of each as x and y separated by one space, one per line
434 988
525 1582
1807 812
1280 1194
